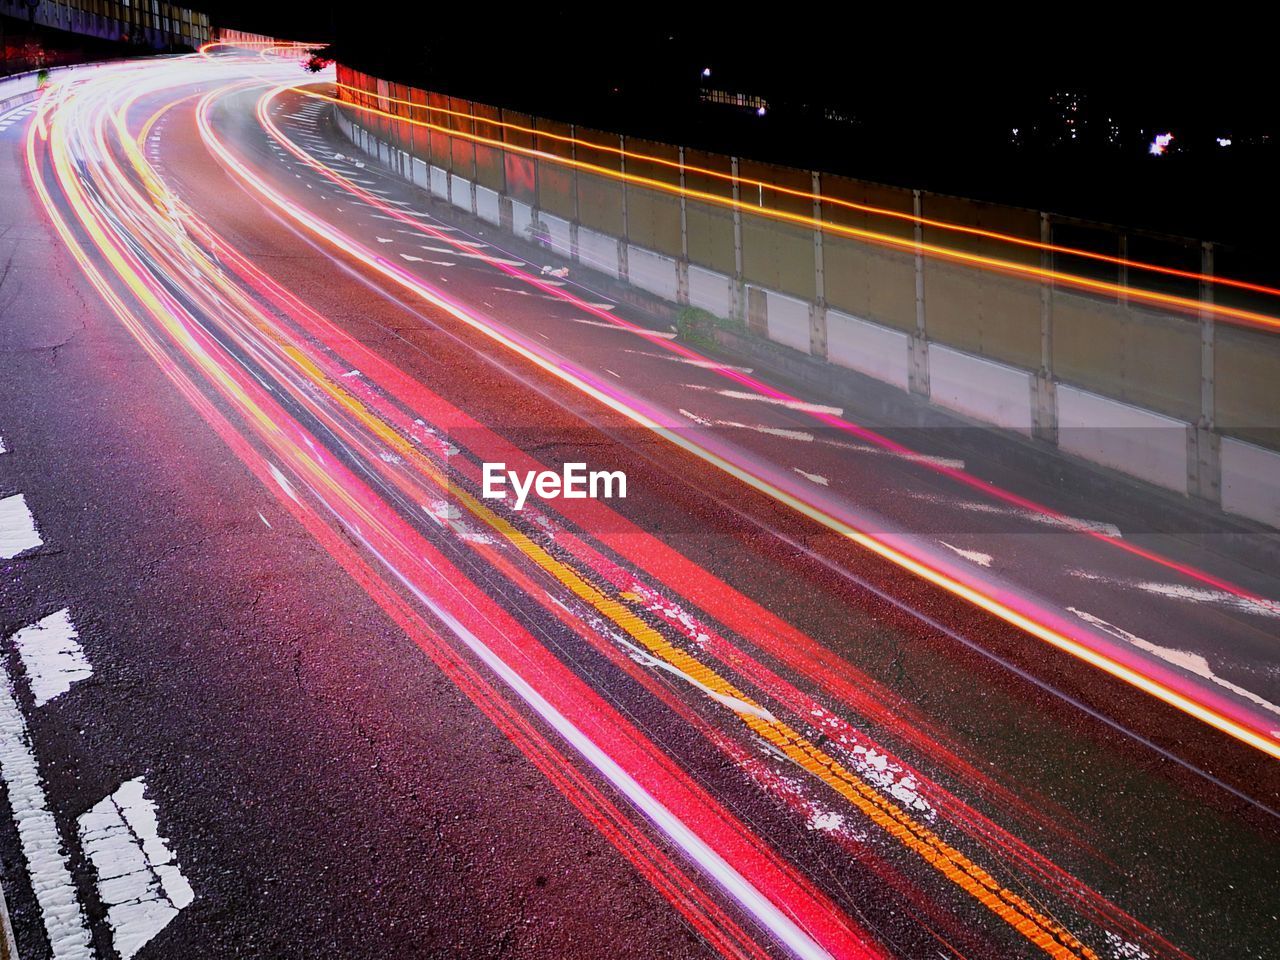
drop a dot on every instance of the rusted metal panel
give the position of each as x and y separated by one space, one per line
462 149
557 190
519 169
441 147
489 167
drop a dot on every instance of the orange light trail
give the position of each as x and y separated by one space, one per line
762 185
1259 737
158 220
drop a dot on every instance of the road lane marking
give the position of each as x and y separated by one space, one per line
975 556
1063 522
1179 591
813 477
1192 662
799 405
3 448
18 532
51 882
52 655
139 879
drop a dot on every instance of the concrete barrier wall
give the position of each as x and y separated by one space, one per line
488 207
980 388
1251 481
868 348
658 274
852 285
787 320
1136 441
599 251
710 291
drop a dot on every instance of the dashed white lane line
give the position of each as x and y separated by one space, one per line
18 531
55 891
51 652
139 879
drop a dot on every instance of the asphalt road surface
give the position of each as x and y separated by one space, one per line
279 680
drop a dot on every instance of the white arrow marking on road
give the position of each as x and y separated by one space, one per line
138 877
3 449
813 477
51 881
1191 662
976 556
52 655
17 527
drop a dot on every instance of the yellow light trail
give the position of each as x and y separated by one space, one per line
1268 745
762 185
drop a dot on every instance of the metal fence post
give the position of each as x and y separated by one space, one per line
682 266
818 309
918 374
1045 397
739 312
624 242
1204 446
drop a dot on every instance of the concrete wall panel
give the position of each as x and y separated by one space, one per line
868 348
487 205
598 251
710 291
1136 441
1251 481
653 272
788 320
461 192
980 388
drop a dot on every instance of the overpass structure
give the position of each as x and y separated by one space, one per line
1136 351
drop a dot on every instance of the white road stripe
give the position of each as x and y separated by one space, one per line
975 556
52 656
139 880
55 891
1191 662
813 477
800 405
17 527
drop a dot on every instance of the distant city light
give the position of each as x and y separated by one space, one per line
760 111
706 71
1224 141
1160 144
